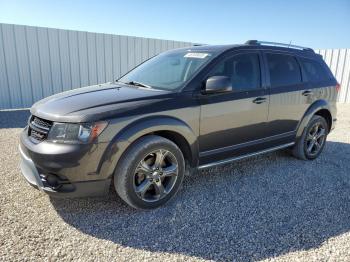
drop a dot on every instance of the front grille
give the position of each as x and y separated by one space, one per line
37 135
38 129
42 123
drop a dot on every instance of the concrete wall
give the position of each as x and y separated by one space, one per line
36 62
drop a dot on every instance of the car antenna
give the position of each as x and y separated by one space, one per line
290 42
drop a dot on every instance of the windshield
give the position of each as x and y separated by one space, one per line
169 70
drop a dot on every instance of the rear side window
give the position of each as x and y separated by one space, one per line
284 70
314 71
243 69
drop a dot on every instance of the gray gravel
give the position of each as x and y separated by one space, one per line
270 207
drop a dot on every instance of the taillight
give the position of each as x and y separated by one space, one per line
337 87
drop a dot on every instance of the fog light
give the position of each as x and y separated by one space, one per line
51 180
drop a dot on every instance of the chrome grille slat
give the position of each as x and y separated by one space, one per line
37 136
42 123
39 128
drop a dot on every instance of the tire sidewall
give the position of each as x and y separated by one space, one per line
136 153
313 121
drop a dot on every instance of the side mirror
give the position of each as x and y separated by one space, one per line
218 84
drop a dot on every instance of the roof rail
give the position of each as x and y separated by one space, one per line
256 42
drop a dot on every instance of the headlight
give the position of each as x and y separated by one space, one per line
76 133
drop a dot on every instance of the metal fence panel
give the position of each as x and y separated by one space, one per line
108 55
116 55
36 62
338 61
4 86
11 66
44 53
74 58
23 67
345 81
123 54
55 64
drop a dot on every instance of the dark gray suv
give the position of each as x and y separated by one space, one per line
180 111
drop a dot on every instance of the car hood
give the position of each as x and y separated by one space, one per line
96 102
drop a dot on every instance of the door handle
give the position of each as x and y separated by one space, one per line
307 93
259 100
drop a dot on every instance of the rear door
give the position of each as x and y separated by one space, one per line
320 78
230 123
288 94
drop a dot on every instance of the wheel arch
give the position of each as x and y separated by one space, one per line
326 114
319 107
168 127
181 142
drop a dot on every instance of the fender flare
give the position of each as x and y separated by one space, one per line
139 128
310 112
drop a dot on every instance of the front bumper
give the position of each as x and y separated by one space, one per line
67 168
29 170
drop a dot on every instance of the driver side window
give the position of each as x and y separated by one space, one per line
243 70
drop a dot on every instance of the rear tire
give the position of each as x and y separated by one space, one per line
311 143
150 172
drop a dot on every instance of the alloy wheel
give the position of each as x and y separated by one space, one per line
315 139
155 175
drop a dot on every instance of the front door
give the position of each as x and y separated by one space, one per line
234 123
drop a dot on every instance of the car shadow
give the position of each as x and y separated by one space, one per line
14 118
252 209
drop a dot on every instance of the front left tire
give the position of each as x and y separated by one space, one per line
150 172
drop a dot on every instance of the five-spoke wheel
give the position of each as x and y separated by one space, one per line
156 175
315 138
310 145
150 172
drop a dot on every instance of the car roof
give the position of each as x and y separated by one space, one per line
209 48
223 48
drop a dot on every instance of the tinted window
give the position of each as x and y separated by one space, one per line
169 70
244 71
314 71
284 70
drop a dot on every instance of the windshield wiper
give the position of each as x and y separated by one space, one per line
135 83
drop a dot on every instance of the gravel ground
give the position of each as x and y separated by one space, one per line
271 207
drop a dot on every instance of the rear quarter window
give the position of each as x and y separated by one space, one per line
284 70
314 71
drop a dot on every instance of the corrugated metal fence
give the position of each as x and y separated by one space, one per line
36 62
339 62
